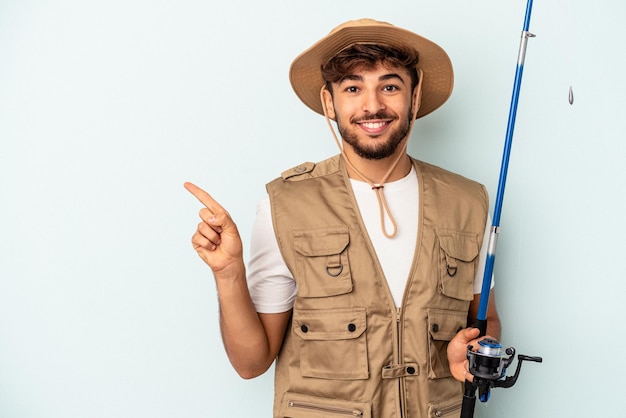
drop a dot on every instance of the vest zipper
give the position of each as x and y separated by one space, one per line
326 409
401 384
447 411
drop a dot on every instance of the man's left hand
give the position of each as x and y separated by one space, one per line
457 353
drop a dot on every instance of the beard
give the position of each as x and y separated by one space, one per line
376 151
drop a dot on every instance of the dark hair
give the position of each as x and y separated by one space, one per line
368 56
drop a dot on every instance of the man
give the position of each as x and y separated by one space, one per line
364 268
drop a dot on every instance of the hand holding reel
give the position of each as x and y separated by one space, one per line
488 365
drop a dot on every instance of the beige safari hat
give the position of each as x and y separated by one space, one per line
438 77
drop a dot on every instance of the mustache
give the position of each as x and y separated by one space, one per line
381 114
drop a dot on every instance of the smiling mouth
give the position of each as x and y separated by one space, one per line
374 127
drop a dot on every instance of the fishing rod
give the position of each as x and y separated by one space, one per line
489 362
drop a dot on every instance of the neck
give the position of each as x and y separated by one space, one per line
388 169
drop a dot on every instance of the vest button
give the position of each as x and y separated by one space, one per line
304 328
435 327
351 327
410 370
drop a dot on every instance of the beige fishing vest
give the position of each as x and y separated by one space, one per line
348 350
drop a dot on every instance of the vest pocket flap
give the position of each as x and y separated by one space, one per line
443 325
329 324
320 242
457 244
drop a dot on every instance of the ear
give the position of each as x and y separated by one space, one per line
417 92
417 99
327 102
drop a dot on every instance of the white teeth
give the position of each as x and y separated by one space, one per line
373 125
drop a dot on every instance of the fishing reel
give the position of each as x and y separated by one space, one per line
488 365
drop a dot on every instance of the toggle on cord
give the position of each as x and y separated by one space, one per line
489 362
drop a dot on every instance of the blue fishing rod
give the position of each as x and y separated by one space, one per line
489 362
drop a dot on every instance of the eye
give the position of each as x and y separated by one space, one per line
351 89
391 88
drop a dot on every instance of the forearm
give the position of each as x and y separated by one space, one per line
244 336
493 326
493 319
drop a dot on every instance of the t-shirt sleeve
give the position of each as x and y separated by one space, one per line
272 287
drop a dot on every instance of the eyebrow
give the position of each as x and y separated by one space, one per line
386 77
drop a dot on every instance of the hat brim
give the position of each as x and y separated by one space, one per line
438 76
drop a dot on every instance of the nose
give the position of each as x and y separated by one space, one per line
372 102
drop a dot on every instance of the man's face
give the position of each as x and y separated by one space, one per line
372 109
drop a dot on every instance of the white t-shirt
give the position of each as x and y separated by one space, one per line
272 287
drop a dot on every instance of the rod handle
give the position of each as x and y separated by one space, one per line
481 324
469 400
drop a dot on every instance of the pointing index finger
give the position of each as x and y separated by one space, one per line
203 197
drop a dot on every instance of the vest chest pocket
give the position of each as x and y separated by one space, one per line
322 265
332 343
458 261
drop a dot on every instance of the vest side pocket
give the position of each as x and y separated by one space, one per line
297 405
443 325
445 409
322 265
458 261
332 343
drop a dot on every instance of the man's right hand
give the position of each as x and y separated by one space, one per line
216 239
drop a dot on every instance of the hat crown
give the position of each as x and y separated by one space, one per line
358 23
